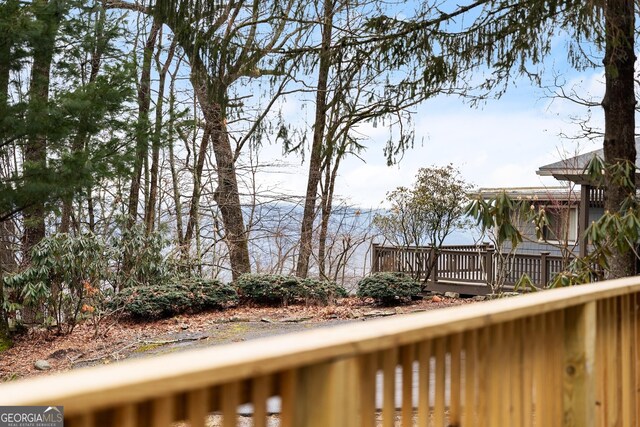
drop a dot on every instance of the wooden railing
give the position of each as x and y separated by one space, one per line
564 357
415 260
540 268
596 197
465 264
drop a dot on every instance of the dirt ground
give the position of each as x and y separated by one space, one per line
123 339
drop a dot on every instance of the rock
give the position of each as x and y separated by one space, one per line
510 294
59 354
296 319
265 320
452 295
479 298
42 365
184 326
436 298
502 295
379 313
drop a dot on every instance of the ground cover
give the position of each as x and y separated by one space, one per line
126 338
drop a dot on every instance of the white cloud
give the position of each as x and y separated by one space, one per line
502 144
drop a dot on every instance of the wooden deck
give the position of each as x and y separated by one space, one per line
464 269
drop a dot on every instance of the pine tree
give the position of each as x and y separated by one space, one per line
62 132
505 39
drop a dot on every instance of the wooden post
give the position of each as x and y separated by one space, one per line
579 392
544 271
374 258
488 262
327 394
583 218
433 260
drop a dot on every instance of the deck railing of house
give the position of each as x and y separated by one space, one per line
465 264
561 357
596 197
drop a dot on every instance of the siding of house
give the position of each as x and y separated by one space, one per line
530 245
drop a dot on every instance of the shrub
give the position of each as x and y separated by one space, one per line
267 288
189 296
210 293
279 289
60 279
320 291
138 258
388 288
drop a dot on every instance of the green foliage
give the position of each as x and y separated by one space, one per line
445 44
5 344
63 272
210 293
428 212
279 289
581 270
388 288
619 231
267 288
160 301
525 284
68 278
138 257
320 291
87 111
496 215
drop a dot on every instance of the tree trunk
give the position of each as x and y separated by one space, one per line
172 164
6 11
331 174
82 138
619 113
315 160
7 265
35 151
7 255
90 211
197 189
227 198
211 96
325 214
142 137
176 194
150 213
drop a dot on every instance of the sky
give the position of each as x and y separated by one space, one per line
499 144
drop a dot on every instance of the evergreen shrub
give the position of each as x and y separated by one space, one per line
279 289
166 300
388 288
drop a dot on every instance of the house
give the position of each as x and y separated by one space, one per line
569 209
591 201
561 205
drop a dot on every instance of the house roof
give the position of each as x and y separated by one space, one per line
540 194
572 169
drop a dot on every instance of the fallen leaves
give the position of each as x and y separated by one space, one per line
81 347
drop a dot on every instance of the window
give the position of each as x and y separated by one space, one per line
563 223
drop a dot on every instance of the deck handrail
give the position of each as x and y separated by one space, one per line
472 264
472 346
